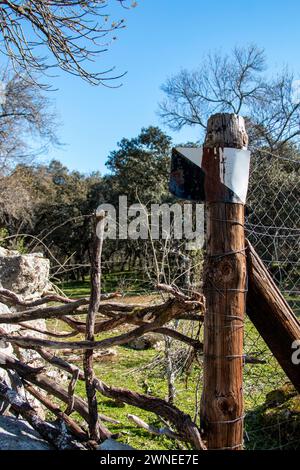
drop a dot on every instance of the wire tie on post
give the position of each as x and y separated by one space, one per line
229 448
230 317
240 418
234 356
229 253
243 291
236 222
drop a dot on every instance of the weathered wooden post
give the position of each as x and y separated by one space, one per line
225 286
218 174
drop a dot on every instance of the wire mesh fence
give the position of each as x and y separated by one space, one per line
273 227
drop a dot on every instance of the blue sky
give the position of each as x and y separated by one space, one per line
163 36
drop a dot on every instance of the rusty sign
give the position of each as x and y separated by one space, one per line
211 175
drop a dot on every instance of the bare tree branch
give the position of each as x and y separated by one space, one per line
70 32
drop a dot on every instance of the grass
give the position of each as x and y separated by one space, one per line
122 372
129 369
129 282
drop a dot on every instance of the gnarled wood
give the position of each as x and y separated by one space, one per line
95 430
73 427
61 440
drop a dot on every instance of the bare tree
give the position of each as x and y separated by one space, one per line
24 112
72 31
235 83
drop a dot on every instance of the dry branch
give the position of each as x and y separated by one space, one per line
142 318
158 406
186 428
95 430
61 440
10 298
152 429
35 376
47 332
46 312
183 423
73 427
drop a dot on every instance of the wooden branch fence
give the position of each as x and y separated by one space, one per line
232 270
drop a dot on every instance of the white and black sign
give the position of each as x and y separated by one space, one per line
212 175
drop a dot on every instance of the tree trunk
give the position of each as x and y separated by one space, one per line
222 407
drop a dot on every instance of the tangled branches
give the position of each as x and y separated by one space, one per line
69 29
140 318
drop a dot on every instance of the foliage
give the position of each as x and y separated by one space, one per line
140 166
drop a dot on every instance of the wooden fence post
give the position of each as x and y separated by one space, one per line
222 406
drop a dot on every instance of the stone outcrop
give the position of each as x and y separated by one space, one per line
26 275
17 434
112 444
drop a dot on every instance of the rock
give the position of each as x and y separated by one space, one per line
6 348
111 444
99 354
16 434
147 341
280 416
281 395
26 275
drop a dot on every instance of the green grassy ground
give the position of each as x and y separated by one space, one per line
128 282
129 369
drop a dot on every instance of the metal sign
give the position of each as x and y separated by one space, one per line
210 175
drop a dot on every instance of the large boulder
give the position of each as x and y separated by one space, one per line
4 346
26 275
17 434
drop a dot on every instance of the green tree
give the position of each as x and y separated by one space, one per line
140 166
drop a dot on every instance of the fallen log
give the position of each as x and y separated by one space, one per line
271 315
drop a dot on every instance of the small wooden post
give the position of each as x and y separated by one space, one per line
222 407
